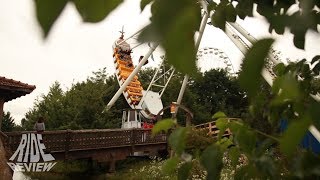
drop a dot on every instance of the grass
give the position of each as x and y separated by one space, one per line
130 169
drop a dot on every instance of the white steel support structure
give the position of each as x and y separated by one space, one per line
167 80
131 76
151 102
197 44
265 73
243 47
251 39
163 75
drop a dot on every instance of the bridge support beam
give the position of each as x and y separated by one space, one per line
112 162
112 166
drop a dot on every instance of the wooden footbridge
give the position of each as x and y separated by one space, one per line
102 145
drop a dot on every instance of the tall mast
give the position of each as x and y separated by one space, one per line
122 33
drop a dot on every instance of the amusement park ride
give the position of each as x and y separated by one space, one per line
145 104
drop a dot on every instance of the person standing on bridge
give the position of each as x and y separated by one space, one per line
39 125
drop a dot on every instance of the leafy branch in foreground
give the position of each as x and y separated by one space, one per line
253 153
173 23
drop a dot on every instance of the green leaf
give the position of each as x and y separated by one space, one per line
276 85
219 115
314 59
244 8
224 143
300 63
234 155
235 126
293 135
47 13
305 70
177 140
299 40
212 5
316 69
246 139
307 5
222 125
265 146
211 159
231 14
289 86
307 164
279 69
266 165
248 171
180 39
278 22
184 171
252 66
314 110
285 5
163 125
95 10
173 26
218 18
170 165
265 8
144 3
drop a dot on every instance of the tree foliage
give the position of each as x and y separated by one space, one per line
272 154
81 106
7 122
216 91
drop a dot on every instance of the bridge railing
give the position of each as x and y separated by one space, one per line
74 140
212 128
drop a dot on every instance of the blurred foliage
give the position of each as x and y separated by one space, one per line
173 24
252 64
198 139
254 152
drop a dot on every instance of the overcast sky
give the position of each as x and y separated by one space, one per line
74 49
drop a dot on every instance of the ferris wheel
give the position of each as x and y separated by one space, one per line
213 58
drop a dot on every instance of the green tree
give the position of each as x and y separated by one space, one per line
145 76
50 107
8 124
218 91
80 107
